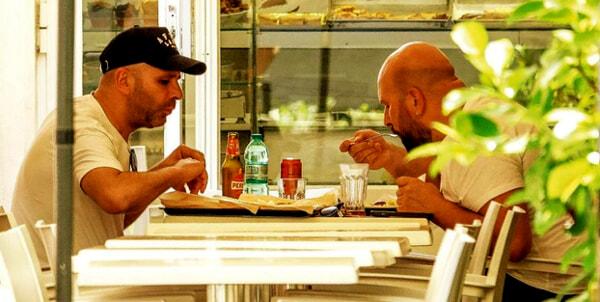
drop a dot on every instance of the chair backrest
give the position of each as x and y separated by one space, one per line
449 268
497 267
488 286
21 266
484 239
47 233
469 229
7 292
7 220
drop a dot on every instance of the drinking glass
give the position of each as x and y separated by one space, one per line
353 188
291 188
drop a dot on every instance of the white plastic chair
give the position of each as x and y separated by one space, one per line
445 281
20 267
47 233
485 286
412 274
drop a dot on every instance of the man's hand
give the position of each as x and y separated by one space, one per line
181 152
193 173
414 195
378 153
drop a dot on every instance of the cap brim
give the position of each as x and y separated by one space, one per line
185 65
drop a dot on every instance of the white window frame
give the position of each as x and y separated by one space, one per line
207 114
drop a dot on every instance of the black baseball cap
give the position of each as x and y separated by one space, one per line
150 45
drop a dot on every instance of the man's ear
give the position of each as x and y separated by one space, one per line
123 80
415 102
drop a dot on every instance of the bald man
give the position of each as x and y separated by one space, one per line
411 85
139 88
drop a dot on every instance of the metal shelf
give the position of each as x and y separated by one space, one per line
369 38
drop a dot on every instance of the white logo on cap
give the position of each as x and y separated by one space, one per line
166 40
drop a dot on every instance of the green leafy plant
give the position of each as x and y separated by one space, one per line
558 94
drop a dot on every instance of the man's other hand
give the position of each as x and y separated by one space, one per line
376 152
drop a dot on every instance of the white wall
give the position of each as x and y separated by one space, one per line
17 89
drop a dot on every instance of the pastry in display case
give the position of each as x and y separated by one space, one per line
492 10
100 14
234 13
150 12
292 12
127 13
302 19
107 15
389 10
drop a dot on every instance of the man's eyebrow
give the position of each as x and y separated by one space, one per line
172 75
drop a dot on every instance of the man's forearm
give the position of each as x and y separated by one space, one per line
132 216
447 214
413 168
129 192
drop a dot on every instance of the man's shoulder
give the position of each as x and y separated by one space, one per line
87 111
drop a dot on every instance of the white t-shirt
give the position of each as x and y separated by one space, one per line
473 186
97 144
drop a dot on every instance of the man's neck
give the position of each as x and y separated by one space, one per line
115 112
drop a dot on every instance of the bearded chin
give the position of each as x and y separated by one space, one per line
415 139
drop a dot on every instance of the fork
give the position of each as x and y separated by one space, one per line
373 137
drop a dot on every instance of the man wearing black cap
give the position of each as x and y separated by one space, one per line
139 88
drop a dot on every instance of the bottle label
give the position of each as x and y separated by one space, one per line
237 183
257 173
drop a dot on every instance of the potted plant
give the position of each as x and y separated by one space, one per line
558 93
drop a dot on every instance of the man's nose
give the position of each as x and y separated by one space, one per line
176 91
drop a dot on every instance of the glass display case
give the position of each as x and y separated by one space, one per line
304 72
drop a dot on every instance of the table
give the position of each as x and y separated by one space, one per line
416 230
226 253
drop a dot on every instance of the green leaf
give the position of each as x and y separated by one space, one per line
587 38
546 217
499 55
473 123
445 129
548 74
456 98
516 198
526 10
564 35
560 16
425 151
471 37
565 178
579 202
572 255
516 78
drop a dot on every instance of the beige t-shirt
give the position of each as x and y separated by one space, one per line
97 144
473 186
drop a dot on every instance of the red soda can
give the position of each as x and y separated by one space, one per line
291 171
291 168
